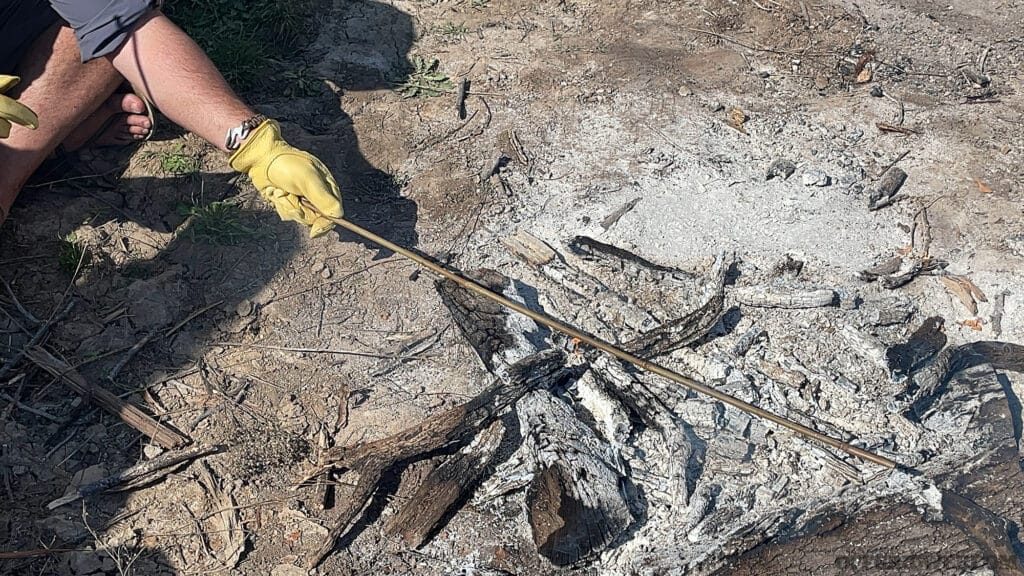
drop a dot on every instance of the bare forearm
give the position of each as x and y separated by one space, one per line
167 67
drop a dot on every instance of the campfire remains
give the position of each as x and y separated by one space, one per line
608 460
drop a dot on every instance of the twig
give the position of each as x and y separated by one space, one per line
116 369
192 317
738 43
145 472
38 337
30 409
322 351
128 413
21 309
20 260
891 164
983 59
23 554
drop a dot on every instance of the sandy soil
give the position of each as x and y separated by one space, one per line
609 103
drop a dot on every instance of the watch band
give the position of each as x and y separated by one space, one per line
234 138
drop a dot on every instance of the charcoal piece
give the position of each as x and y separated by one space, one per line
578 502
446 488
923 344
586 247
888 185
780 168
927 386
481 321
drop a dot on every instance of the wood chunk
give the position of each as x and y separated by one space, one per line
481 321
866 346
368 461
998 306
576 503
529 248
923 344
887 268
987 530
617 215
888 185
762 297
446 487
693 325
928 385
587 247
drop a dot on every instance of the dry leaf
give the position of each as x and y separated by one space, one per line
864 77
982 187
973 324
737 118
975 291
961 291
904 251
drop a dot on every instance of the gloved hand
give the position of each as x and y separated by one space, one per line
284 174
11 110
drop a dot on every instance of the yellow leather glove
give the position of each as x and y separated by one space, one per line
284 174
11 110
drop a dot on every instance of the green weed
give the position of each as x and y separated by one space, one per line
450 32
243 37
425 80
71 253
218 223
178 162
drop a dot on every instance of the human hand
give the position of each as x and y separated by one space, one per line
11 111
284 175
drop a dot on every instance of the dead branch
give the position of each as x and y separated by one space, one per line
36 338
141 474
369 461
128 413
445 487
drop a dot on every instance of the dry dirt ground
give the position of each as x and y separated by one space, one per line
681 105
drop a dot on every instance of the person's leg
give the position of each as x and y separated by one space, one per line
63 92
166 66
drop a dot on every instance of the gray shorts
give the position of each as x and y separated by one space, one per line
101 26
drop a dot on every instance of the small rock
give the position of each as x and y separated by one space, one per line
876 91
820 82
245 308
780 168
685 91
325 273
716 106
816 177
87 476
86 562
287 570
152 451
317 267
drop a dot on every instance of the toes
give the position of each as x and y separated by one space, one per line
132 104
137 130
138 121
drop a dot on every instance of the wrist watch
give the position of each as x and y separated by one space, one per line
234 138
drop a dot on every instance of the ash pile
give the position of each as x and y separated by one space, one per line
613 468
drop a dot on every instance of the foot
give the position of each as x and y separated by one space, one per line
120 121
